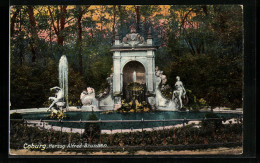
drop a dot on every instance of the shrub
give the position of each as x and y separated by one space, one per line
216 79
20 133
211 123
195 104
16 116
92 130
134 106
166 91
58 115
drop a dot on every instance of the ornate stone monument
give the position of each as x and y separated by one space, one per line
133 64
133 61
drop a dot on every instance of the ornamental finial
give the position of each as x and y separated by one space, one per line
149 36
116 34
133 28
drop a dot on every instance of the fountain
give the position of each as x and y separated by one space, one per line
134 76
63 77
133 63
60 100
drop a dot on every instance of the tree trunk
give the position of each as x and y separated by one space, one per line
33 49
137 12
185 17
34 43
120 14
192 50
114 20
21 54
20 21
101 19
114 24
62 25
80 39
21 45
205 10
13 19
198 48
50 38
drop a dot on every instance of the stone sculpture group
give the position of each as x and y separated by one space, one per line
133 48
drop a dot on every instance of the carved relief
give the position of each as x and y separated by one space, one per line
133 38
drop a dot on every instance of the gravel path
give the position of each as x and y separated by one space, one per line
216 151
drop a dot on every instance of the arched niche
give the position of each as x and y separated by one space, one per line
128 71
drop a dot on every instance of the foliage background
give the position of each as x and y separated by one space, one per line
203 44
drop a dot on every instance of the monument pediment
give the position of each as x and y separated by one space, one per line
133 41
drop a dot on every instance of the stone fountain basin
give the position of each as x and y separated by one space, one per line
159 115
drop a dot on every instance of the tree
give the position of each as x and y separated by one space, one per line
114 22
122 14
205 40
34 42
204 29
80 14
17 41
137 14
60 22
13 19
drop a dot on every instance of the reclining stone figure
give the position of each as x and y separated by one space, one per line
58 99
87 97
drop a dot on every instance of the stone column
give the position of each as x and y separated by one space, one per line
121 82
154 77
116 74
150 71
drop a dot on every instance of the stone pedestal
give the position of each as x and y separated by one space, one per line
89 108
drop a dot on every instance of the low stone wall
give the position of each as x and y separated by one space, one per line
223 110
31 110
45 125
77 109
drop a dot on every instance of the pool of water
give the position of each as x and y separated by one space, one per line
127 116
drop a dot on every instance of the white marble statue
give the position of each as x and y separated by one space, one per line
89 100
58 99
179 92
87 96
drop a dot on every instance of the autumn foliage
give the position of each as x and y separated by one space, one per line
202 44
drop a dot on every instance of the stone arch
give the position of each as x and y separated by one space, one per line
131 60
128 70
